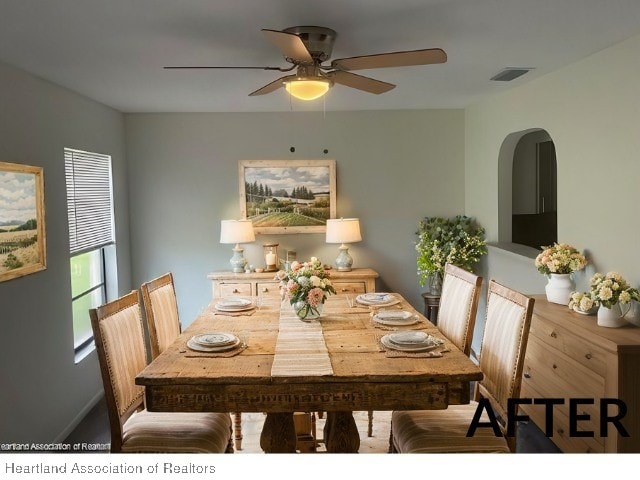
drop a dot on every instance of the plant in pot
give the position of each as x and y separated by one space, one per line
558 262
457 240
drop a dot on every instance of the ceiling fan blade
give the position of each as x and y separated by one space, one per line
271 87
291 46
361 83
243 68
393 59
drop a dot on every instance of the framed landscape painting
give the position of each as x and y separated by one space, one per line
22 232
288 196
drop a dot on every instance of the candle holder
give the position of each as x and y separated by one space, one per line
270 257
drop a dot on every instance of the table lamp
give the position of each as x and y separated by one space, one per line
237 231
343 230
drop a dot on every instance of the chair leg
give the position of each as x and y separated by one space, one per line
237 427
392 447
230 448
370 425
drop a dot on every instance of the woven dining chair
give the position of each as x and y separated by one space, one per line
458 306
119 338
163 323
501 360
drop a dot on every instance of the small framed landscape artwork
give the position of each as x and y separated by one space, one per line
22 232
288 196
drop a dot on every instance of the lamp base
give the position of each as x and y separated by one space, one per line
238 262
344 260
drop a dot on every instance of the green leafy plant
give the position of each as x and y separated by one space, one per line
458 240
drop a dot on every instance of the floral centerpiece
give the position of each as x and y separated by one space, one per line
558 262
307 286
560 258
456 240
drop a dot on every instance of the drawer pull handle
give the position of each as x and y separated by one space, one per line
554 366
527 375
560 431
588 356
554 335
235 290
265 289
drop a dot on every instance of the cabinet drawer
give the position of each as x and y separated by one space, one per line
561 430
230 289
349 287
555 374
269 289
582 351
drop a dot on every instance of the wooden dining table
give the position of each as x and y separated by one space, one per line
268 373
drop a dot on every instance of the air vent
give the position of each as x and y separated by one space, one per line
509 74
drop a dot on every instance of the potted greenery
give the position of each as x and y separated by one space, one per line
458 240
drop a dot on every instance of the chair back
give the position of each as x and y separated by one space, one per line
161 311
458 306
119 338
503 345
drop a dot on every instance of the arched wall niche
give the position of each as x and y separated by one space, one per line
527 179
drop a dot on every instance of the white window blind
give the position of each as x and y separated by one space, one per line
89 200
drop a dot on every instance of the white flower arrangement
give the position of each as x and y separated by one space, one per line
560 258
582 302
611 288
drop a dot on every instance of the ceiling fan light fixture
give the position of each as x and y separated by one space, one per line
307 88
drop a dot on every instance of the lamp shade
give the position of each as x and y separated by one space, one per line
343 230
236 231
307 89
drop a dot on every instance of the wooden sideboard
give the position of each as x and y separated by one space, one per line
569 356
358 280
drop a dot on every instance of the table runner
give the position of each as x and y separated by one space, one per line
300 347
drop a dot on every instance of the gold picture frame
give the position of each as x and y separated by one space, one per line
288 196
22 224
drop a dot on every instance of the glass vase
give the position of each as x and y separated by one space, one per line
306 312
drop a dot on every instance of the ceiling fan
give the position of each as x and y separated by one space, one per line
307 47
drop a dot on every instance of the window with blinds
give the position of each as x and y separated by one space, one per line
91 238
89 200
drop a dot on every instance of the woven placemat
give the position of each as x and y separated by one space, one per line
436 353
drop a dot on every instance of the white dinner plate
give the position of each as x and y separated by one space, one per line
409 347
409 337
214 339
380 297
201 348
377 299
222 308
395 317
234 302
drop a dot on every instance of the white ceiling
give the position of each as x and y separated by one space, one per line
113 50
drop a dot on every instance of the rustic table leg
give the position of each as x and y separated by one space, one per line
278 433
237 430
341 433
